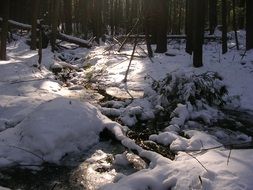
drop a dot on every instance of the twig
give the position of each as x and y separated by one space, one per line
230 151
28 151
197 161
53 187
30 80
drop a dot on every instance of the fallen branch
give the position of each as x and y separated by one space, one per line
28 151
128 35
131 59
197 161
175 37
240 146
127 55
29 80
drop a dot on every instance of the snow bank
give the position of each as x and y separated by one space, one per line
52 130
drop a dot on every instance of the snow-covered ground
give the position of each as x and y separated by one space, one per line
41 121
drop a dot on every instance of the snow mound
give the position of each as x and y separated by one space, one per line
54 129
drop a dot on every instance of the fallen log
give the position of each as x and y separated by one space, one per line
175 37
74 40
60 36
18 24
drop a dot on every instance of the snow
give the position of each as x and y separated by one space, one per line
53 129
41 121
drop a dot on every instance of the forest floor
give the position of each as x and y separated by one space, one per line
154 135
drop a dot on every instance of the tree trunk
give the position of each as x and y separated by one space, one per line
35 10
97 20
198 32
54 22
195 30
161 26
67 5
212 15
224 27
241 16
249 24
235 25
147 9
4 33
84 18
188 27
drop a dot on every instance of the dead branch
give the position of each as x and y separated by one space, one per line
230 151
131 59
197 161
28 151
128 35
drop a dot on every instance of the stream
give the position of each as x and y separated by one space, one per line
70 173
93 168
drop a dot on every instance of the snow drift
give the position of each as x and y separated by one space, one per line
53 129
